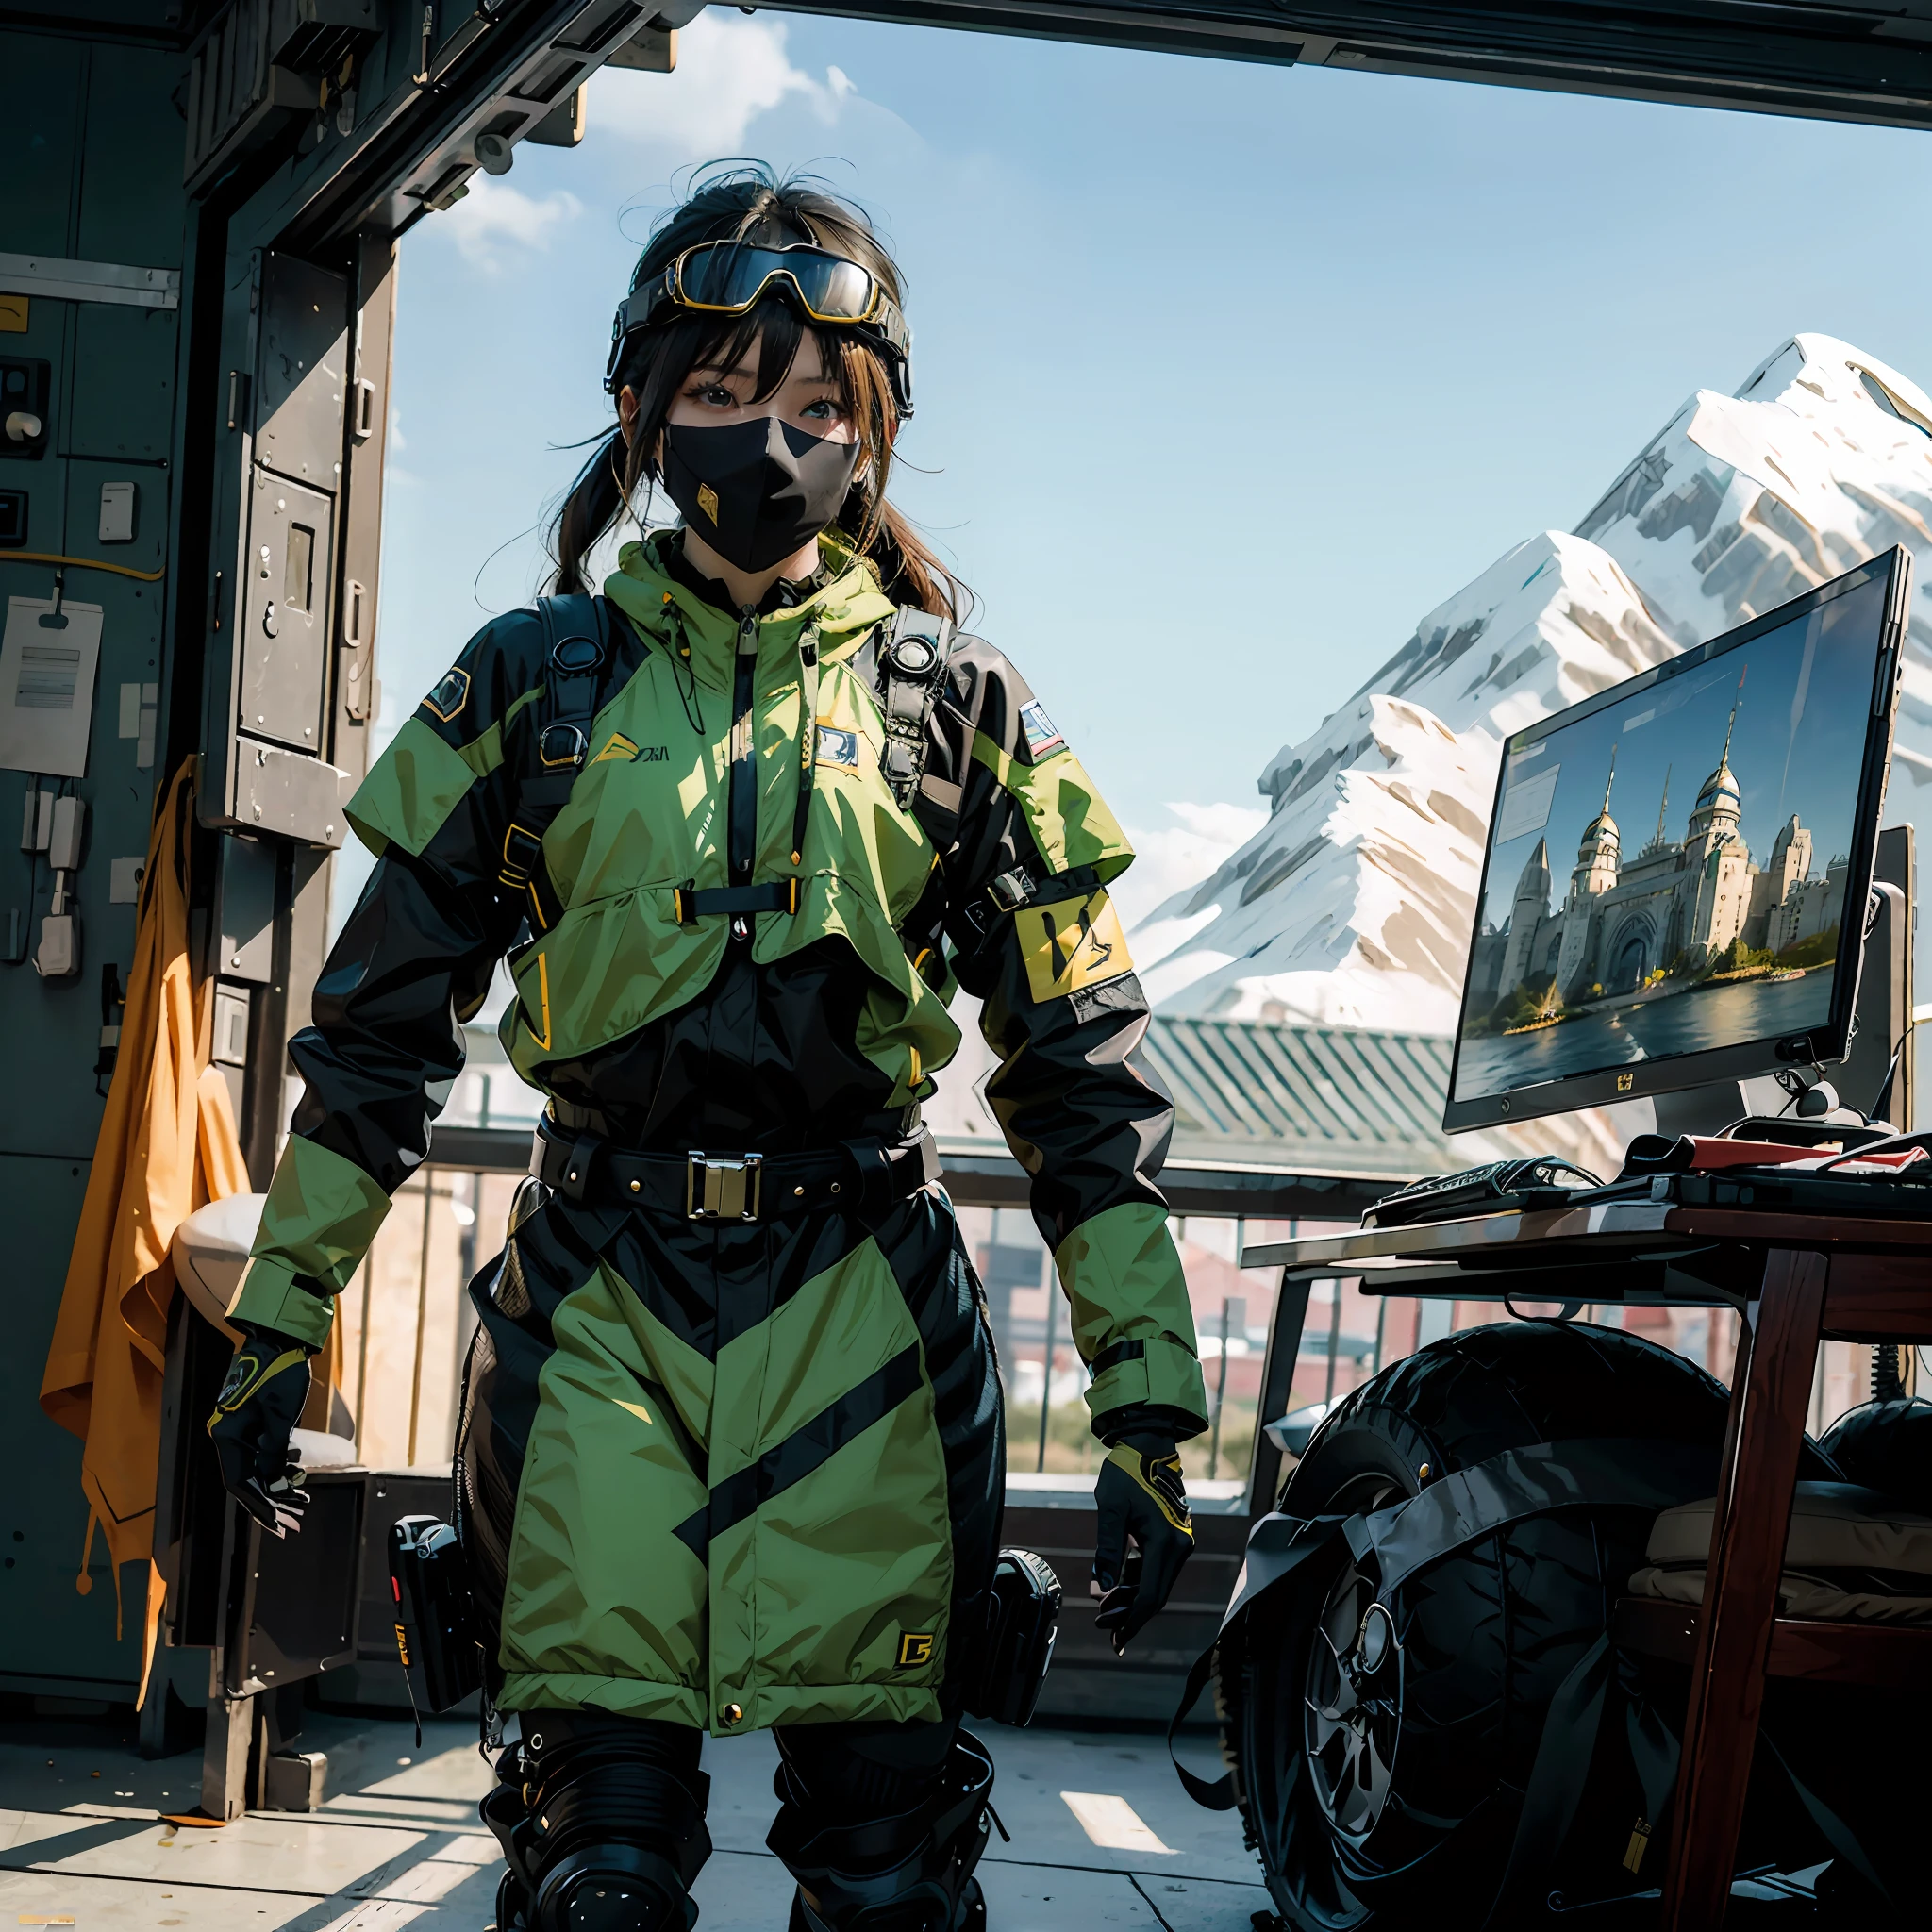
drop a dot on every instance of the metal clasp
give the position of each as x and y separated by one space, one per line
722 1189
561 744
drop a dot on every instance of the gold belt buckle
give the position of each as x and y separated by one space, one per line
718 1190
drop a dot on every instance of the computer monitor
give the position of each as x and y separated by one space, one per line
1675 878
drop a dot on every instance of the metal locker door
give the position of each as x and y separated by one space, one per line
285 612
275 775
302 368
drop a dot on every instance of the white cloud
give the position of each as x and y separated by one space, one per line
731 70
494 217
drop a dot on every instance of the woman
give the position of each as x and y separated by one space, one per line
731 1447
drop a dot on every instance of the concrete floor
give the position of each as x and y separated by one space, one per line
399 1843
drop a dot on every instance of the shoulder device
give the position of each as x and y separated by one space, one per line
912 674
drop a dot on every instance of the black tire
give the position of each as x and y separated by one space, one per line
511 1904
1886 1446
1384 1820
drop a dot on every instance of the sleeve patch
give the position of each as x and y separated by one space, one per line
451 694
1070 943
1042 740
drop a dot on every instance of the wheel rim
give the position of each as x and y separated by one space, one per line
1294 1833
1352 1706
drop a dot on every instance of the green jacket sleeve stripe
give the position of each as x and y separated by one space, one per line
409 795
1062 1009
321 1215
1123 1277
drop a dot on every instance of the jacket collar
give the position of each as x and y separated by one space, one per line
844 600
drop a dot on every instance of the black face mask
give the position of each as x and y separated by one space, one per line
756 491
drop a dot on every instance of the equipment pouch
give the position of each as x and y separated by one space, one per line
1021 1619
435 1633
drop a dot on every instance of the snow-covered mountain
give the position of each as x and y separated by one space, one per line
1354 904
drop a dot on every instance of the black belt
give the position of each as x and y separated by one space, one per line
859 1175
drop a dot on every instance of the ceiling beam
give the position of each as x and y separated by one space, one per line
1830 62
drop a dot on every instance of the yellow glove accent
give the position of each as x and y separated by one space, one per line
246 1374
1161 1479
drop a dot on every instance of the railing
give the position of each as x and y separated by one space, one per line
407 1323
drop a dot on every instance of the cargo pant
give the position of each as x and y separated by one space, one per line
731 1475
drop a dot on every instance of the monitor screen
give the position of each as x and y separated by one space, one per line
1677 868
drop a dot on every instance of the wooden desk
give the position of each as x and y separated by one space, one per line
1797 1279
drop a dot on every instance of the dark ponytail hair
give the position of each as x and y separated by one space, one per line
749 203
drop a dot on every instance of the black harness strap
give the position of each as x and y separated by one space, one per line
1456 1510
691 902
576 634
912 674
808 739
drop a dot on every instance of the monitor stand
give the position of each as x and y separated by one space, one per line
1710 1110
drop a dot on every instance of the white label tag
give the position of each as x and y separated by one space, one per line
47 686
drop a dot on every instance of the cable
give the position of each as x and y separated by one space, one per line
120 570
680 655
1884 1099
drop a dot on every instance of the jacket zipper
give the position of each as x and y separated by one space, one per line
742 801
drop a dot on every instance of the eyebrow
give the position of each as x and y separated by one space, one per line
749 370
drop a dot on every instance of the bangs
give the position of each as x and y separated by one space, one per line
779 332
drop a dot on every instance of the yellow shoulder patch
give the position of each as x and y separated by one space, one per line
1070 943
618 747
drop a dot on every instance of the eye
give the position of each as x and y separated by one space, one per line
714 395
826 409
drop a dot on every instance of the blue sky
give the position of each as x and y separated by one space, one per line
1227 373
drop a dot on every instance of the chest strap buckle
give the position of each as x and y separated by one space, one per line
523 853
718 1190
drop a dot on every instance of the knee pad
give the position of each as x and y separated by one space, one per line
911 1872
599 1832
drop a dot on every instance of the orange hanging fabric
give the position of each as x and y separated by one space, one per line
167 1146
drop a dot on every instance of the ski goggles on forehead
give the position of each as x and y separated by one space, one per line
731 278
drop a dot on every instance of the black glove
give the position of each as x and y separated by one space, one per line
261 1402
1140 1494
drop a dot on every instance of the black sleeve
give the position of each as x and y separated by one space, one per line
413 961
1029 849
386 1043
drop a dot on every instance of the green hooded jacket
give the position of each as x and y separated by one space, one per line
653 1028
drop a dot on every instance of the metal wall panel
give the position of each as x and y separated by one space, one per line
38 129
284 617
135 416
86 135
